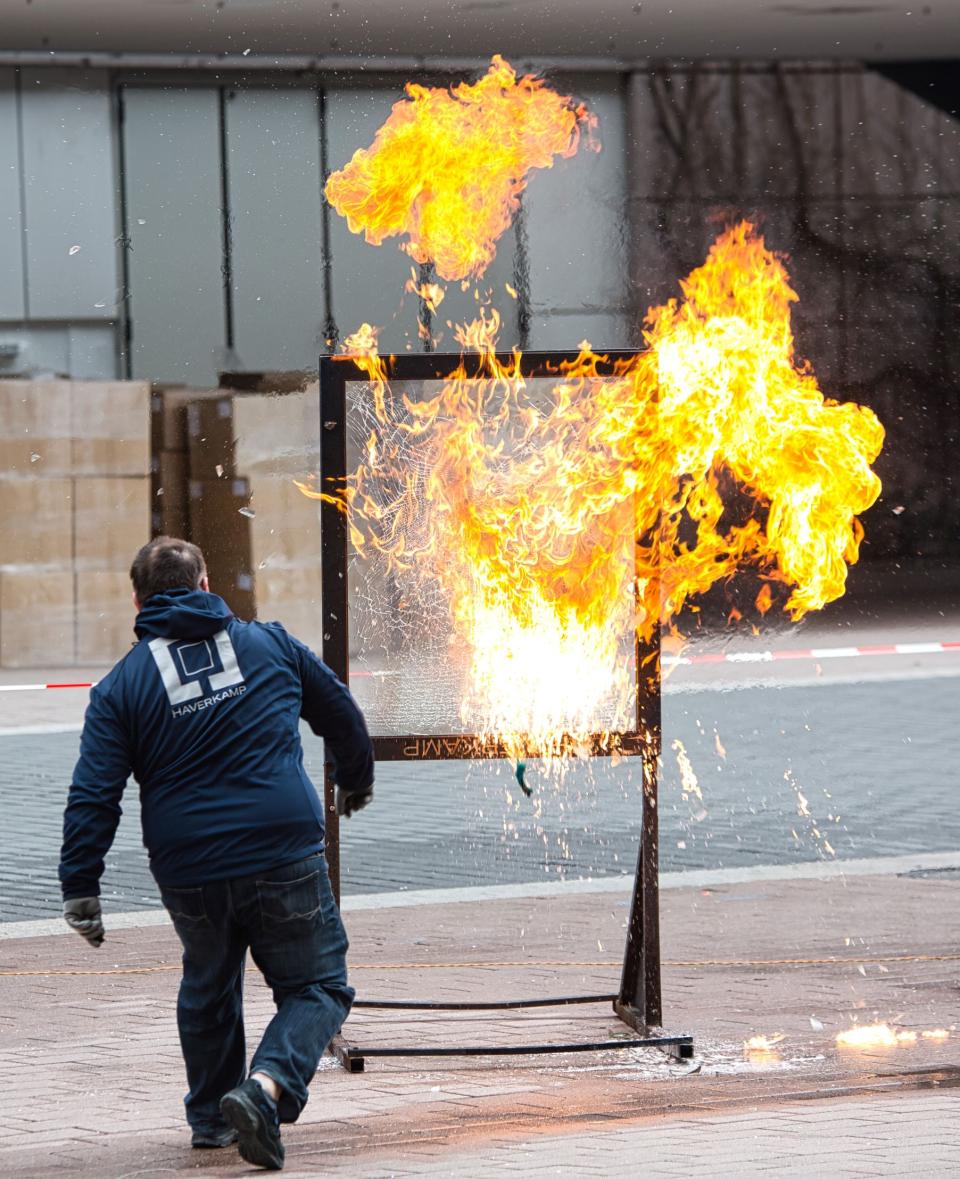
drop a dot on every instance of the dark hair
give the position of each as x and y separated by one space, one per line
166 563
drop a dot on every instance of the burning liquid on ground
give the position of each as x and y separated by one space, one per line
882 1035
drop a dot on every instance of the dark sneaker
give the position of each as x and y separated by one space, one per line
213 1139
253 1114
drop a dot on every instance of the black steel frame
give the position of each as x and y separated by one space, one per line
638 1001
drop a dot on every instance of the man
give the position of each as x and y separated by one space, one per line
204 713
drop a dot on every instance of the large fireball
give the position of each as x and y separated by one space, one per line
447 168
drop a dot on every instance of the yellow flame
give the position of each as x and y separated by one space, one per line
881 1035
432 293
875 1035
763 1044
734 399
688 778
761 1050
447 168
556 529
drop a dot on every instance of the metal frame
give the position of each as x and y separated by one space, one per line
638 1001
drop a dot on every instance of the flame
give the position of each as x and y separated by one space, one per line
556 529
432 293
881 1035
689 785
447 168
763 1043
762 1050
875 1035
734 400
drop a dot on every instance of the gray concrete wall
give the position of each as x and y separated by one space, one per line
170 229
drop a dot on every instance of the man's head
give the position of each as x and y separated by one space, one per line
167 563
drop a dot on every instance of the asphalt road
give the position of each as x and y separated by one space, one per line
852 765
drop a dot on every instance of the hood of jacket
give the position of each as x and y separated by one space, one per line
182 614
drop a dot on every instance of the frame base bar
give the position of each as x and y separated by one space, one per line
664 1042
465 1005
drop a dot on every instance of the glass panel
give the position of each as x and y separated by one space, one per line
409 668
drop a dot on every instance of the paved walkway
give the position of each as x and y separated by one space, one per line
94 1079
817 768
89 1041
829 1140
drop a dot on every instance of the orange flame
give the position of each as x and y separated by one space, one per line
875 1035
531 509
881 1035
448 167
733 399
432 293
557 526
762 1050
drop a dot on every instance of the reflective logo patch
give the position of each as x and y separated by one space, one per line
187 668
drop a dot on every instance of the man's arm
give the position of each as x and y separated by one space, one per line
333 714
93 806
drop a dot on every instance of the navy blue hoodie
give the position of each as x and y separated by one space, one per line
204 713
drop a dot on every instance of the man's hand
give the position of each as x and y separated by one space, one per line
348 802
84 915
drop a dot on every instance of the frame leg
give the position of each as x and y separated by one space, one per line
331 830
639 1001
347 1056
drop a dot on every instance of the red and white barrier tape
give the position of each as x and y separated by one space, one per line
811 653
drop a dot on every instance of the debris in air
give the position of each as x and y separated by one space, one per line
521 772
73 250
248 512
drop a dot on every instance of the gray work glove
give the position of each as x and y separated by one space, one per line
350 801
84 915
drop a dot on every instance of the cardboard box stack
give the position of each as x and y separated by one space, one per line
170 462
74 508
260 535
277 440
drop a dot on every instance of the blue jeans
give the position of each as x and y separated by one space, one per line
288 919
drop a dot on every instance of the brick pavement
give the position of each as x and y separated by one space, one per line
829 1140
869 759
89 1042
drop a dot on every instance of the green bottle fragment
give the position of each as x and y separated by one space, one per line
521 772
